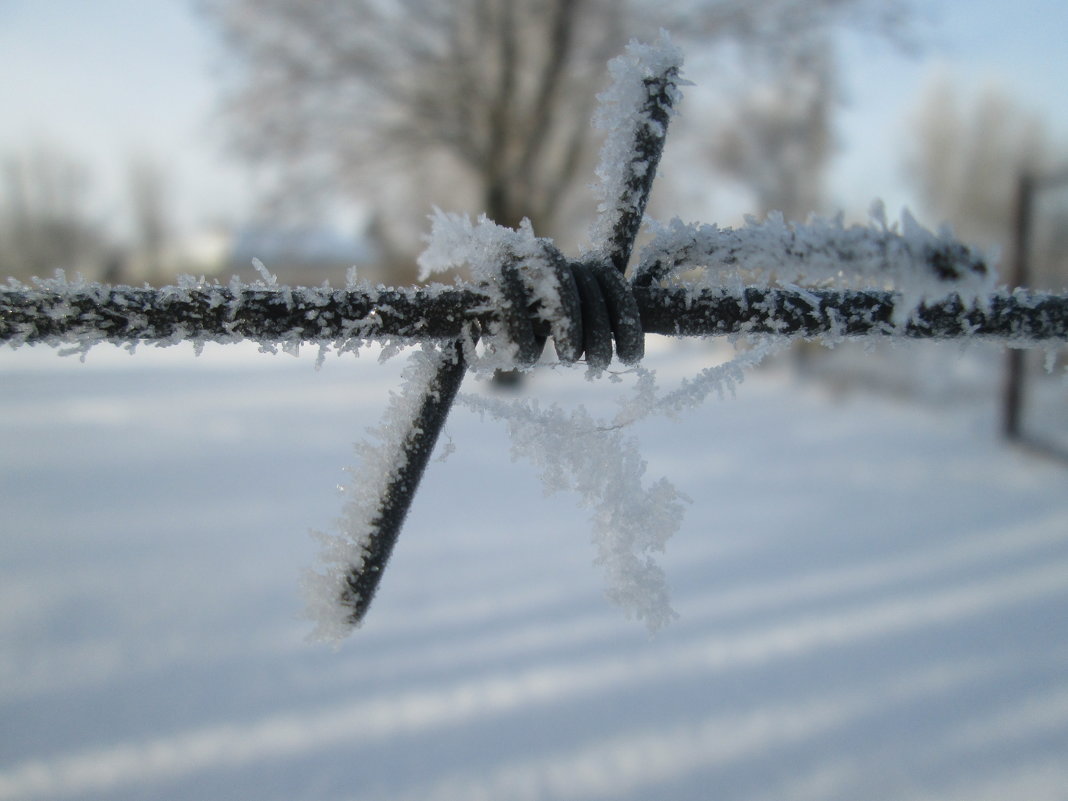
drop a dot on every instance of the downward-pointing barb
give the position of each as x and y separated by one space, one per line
361 581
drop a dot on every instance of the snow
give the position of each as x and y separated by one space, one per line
870 593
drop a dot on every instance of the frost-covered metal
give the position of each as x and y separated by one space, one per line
77 315
767 279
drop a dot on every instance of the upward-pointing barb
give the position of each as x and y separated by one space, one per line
635 110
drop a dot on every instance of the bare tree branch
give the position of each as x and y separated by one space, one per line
467 95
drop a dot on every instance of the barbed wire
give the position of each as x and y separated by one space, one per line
528 291
85 314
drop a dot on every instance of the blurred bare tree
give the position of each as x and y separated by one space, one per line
149 196
484 105
777 139
968 157
1049 237
45 221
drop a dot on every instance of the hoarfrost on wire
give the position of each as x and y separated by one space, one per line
918 264
483 247
380 458
622 110
720 379
65 302
455 242
631 521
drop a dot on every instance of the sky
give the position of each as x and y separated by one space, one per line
1016 47
108 79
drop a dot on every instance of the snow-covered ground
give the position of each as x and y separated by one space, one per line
872 597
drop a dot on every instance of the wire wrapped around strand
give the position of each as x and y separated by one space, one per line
596 308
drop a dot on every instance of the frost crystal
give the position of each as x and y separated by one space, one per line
913 261
721 379
76 315
631 522
483 247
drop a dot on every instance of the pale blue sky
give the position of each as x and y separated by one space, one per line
1018 46
105 78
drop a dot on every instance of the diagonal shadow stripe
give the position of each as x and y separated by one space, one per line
497 695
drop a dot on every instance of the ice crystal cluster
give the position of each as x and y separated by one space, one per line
914 262
75 315
482 247
631 521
